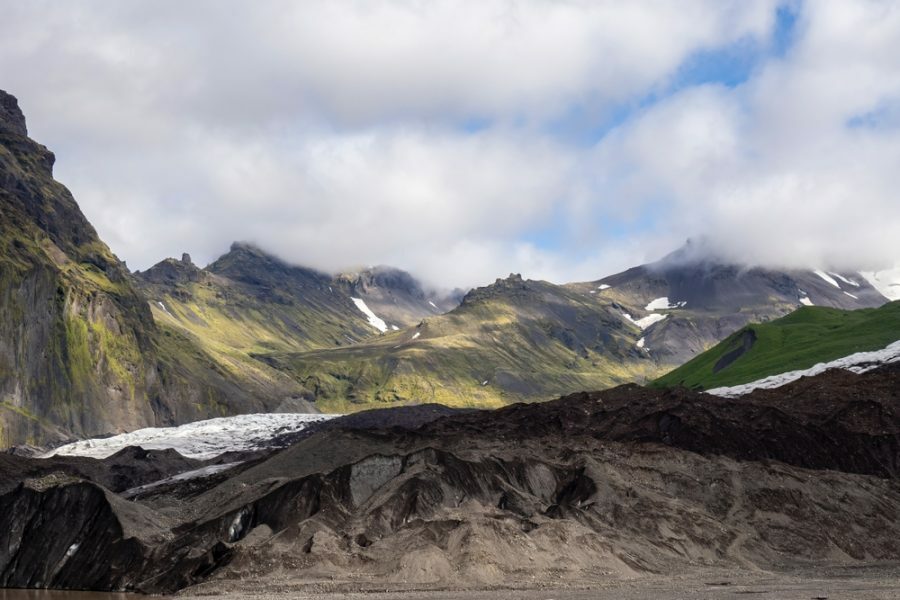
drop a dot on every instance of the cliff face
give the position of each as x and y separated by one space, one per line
75 336
80 353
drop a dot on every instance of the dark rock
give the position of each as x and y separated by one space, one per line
11 118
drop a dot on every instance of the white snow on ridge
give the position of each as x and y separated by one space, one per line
844 279
200 439
640 343
603 286
886 282
663 304
858 363
374 320
827 278
647 321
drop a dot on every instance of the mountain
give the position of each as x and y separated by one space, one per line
522 340
588 489
86 348
709 299
248 304
80 351
513 340
802 339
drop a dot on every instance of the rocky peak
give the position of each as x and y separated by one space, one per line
386 278
171 271
513 286
11 118
250 264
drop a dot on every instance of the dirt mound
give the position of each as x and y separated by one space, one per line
584 488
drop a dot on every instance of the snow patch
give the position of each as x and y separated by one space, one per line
852 296
805 301
200 439
827 278
886 282
433 305
858 363
647 321
663 304
640 343
603 286
164 309
416 335
374 320
394 328
844 279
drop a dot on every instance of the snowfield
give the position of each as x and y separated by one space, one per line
374 320
858 363
201 439
647 321
663 304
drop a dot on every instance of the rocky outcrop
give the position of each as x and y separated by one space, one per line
11 118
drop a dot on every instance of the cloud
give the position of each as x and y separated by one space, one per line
438 136
775 171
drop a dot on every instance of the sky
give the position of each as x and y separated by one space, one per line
465 140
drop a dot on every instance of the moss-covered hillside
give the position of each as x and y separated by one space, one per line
512 341
804 338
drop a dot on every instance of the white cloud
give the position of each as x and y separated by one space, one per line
330 132
772 171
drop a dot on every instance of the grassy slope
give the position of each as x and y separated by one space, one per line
808 336
508 346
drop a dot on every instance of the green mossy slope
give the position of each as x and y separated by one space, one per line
809 335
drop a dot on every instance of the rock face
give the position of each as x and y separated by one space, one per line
11 118
587 487
80 353
710 299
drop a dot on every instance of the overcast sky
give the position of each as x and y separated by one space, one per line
467 140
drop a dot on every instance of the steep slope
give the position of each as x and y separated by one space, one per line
74 333
586 488
80 353
513 340
800 340
249 304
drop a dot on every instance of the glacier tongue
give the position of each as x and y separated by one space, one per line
200 439
858 363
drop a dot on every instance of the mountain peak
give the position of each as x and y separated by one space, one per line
11 118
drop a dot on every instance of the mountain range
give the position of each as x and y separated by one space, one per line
88 348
